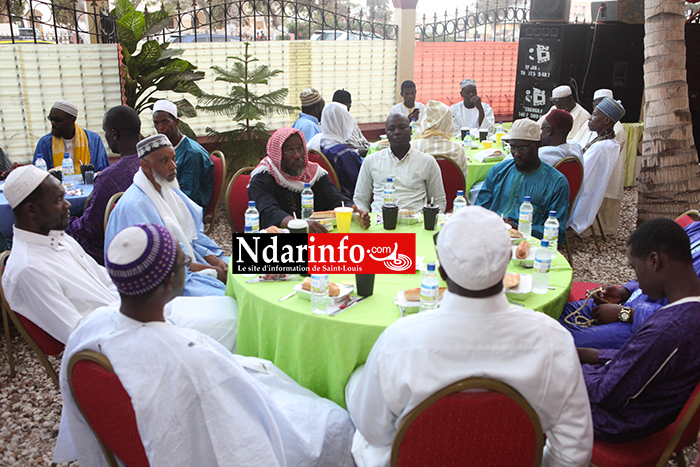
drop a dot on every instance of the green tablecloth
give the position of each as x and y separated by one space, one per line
320 352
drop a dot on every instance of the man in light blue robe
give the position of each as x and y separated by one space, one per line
154 198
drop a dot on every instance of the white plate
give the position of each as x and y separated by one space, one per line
529 260
345 290
522 289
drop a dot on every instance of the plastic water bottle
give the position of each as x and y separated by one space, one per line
429 289
540 270
414 127
252 218
467 139
551 231
307 202
459 202
319 293
68 171
40 163
389 190
525 220
499 128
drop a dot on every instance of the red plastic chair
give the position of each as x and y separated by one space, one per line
321 160
219 175
39 340
656 449
688 218
491 425
107 408
452 179
237 199
572 169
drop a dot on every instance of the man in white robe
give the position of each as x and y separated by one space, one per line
553 131
195 403
155 198
562 98
409 108
471 112
475 332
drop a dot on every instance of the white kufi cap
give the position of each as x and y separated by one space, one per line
600 93
21 182
561 91
525 129
165 106
67 107
474 248
151 144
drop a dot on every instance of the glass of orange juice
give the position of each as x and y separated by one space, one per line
343 217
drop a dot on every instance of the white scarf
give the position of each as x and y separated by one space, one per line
173 210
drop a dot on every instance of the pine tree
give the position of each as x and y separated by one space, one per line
245 145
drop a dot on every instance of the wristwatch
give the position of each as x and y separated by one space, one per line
624 314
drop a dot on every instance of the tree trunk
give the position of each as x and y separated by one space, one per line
669 181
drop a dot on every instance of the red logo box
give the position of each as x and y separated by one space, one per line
362 253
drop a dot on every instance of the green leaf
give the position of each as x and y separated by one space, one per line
186 130
189 87
134 22
150 52
122 8
155 22
126 38
185 109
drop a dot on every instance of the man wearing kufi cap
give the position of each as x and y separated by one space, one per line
600 159
555 147
83 146
563 99
312 105
194 166
585 135
195 402
474 333
508 182
409 108
357 140
154 198
471 112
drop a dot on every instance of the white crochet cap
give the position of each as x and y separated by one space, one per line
21 182
561 91
165 106
474 248
525 129
68 107
600 93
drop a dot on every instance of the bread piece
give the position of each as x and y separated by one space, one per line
333 289
511 280
523 250
323 215
413 295
514 233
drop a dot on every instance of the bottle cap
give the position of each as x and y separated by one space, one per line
431 267
460 192
307 185
544 243
66 155
527 199
251 204
388 180
552 213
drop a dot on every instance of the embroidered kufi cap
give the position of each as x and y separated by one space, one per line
68 107
525 129
310 96
151 144
600 93
466 82
612 108
560 120
21 182
561 91
165 106
140 257
474 248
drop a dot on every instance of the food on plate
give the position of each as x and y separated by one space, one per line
406 213
522 250
511 280
514 233
323 215
273 229
333 289
413 295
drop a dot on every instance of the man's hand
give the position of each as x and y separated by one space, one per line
414 115
613 294
316 227
364 218
216 262
477 102
606 313
221 273
586 355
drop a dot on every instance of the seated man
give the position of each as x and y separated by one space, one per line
436 134
508 182
475 332
563 99
600 158
337 125
472 113
154 198
194 166
416 175
50 280
641 388
409 108
585 136
277 182
556 125
357 140
84 146
195 402
312 105
122 127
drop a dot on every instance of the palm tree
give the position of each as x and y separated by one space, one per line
669 181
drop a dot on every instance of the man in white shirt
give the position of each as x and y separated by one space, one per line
585 135
553 130
416 175
563 99
475 332
195 403
409 108
472 113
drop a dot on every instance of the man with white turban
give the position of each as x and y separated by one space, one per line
471 112
563 99
155 198
83 146
436 133
475 332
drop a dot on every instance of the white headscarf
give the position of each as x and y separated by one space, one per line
336 125
438 121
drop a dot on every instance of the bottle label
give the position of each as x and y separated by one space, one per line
388 196
551 234
542 266
319 284
458 204
429 292
307 201
253 222
525 217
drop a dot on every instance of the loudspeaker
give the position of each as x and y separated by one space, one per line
550 55
550 10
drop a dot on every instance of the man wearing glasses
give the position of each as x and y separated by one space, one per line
508 182
66 136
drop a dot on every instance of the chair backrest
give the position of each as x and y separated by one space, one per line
110 205
572 168
107 408
322 160
219 175
237 199
684 428
452 179
688 218
490 424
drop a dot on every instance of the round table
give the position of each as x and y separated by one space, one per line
320 352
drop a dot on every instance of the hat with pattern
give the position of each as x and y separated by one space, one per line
310 96
67 107
611 108
151 144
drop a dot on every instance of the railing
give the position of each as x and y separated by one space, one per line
499 20
251 20
57 22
